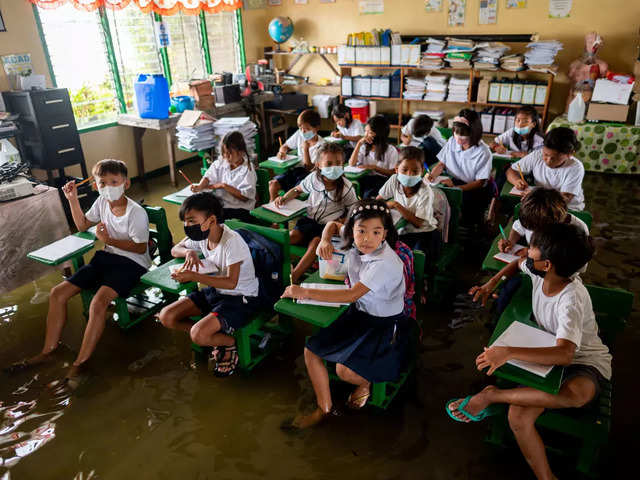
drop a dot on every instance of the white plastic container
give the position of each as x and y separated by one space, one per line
336 268
577 109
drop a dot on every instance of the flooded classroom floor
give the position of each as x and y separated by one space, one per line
144 413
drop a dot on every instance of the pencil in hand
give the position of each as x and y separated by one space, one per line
185 177
520 171
84 181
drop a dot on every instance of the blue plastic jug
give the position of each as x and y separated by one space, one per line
152 96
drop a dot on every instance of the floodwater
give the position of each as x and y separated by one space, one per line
144 413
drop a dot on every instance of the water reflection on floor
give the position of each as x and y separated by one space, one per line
145 414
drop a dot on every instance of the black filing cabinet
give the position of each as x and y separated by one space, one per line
49 131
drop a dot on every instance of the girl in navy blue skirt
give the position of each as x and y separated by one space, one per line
369 342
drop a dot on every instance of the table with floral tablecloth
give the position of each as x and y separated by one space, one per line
605 147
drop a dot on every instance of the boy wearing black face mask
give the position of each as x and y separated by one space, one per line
232 293
561 306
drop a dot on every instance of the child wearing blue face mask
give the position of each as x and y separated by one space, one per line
524 137
123 226
412 198
307 141
330 197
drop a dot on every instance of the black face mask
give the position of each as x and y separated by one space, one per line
195 233
530 262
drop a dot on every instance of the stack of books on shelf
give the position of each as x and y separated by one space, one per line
459 52
414 88
436 87
458 89
540 56
432 58
512 63
487 55
196 137
436 115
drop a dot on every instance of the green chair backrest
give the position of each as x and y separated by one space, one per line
419 259
583 215
445 132
279 236
262 185
454 197
161 233
612 307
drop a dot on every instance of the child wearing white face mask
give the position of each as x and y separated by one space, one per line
524 137
330 197
467 159
307 141
123 227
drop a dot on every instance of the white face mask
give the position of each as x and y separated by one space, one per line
111 193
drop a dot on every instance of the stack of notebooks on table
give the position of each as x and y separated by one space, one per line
414 88
242 124
436 87
458 89
196 137
459 52
513 63
432 58
540 56
487 55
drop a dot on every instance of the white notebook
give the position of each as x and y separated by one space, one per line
517 191
333 139
207 268
282 160
436 180
323 286
519 334
510 256
290 208
352 169
185 192
61 248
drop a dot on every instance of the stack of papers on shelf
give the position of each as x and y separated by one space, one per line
458 89
414 88
487 56
323 286
435 45
513 63
459 60
436 87
290 208
199 137
436 115
521 335
460 44
432 58
541 55
242 124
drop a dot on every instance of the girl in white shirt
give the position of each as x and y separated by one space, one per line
524 137
330 197
554 166
467 159
347 128
374 153
369 342
232 178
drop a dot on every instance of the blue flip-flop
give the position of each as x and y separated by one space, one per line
482 414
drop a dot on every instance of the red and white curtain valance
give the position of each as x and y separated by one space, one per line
162 7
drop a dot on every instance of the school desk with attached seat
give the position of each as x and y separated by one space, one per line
589 425
279 168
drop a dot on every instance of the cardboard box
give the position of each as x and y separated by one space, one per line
607 112
483 91
200 88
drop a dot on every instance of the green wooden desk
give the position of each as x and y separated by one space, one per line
270 217
489 263
499 162
356 176
316 315
279 167
75 257
174 198
519 309
161 278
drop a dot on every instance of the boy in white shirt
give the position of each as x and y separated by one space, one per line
421 132
123 227
231 295
561 306
307 141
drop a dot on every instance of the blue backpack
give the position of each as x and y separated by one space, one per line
267 262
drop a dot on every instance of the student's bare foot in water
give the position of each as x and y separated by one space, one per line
39 359
302 422
476 404
359 397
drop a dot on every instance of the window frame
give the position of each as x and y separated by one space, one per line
166 66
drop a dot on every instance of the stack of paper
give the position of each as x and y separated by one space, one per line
459 52
414 88
197 137
513 63
521 335
290 208
432 58
458 89
436 115
242 124
541 55
436 87
323 286
487 56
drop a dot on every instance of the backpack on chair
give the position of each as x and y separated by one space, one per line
267 262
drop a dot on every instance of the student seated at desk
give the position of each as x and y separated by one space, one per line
468 160
369 342
330 197
561 306
524 137
123 227
421 132
307 141
374 152
414 200
554 166
233 178
231 296
347 128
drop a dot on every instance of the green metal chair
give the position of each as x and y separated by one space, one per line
445 132
262 185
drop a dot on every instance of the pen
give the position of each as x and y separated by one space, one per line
499 284
185 177
502 232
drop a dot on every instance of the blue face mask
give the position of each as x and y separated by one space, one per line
308 135
409 180
521 130
332 173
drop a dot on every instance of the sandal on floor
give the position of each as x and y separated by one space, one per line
302 422
226 361
482 414
358 402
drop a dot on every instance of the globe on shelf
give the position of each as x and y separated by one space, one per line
280 29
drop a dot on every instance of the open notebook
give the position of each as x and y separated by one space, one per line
290 208
436 180
323 286
518 192
61 248
510 256
207 268
519 334
282 160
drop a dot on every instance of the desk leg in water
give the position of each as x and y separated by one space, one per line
138 133
172 156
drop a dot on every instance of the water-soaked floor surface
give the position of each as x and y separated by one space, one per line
144 413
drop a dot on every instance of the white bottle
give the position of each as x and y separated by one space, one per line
576 109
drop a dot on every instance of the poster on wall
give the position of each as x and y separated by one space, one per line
560 8
433 5
254 4
516 3
456 12
370 6
488 12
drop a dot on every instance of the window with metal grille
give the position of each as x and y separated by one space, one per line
222 35
185 47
